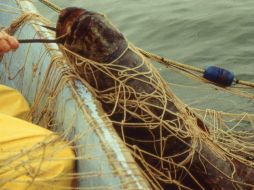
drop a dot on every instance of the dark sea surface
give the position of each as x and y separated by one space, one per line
195 32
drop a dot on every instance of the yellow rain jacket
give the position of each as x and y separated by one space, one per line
31 157
13 103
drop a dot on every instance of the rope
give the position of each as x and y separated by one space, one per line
51 5
246 83
211 150
157 58
27 16
170 139
170 63
56 77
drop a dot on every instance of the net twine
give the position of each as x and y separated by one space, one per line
25 17
224 151
207 150
58 76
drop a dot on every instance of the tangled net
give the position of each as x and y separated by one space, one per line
176 146
173 146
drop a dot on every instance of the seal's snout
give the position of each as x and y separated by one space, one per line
66 19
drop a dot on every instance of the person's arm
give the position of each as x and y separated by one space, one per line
7 42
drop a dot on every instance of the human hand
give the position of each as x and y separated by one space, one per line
7 42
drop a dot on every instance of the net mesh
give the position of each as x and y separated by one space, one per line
174 145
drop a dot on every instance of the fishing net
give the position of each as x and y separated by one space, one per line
62 102
174 145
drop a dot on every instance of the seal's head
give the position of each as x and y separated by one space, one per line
90 35
66 19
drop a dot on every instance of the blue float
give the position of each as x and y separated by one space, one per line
218 75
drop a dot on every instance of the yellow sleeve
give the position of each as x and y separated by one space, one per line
13 103
33 158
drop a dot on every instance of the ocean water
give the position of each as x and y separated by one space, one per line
195 32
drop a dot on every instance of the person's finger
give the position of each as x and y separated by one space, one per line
4 46
13 42
3 34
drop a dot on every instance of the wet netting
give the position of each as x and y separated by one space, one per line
150 139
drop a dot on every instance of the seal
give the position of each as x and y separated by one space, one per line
92 36
143 111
